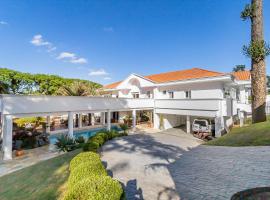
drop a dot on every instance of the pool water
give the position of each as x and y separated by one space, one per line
84 133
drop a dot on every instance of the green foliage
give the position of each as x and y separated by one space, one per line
88 180
3 87
65 143
91 146
257 50
84 170
97 139
25 83
95 188
77 88
124 127
247 13
83 157
36 121
251 135
80 140
238 68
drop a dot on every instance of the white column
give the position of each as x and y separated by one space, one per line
188 124
103 118
241 118
109 120
7 137
48 124
70 124
219 126
80 121
156 120
134 120
92 119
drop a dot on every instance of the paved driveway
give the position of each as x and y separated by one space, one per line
172 165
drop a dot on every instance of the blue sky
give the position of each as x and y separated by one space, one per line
104 41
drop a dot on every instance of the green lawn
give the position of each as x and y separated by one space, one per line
252 135
45 180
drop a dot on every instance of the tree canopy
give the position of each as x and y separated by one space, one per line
239 68
15 82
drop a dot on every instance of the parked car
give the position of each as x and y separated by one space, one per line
203 126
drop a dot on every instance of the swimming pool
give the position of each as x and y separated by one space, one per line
84 133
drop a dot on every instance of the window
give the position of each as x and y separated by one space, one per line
135 95
188 94
171 94
148 93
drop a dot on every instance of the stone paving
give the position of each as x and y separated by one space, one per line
173 165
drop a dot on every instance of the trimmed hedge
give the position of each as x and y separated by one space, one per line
88 180
85 170
95 188
100 138
82 158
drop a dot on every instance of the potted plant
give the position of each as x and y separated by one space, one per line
19 151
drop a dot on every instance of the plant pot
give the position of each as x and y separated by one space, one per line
19 153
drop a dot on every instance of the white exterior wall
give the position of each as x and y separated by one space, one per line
210 90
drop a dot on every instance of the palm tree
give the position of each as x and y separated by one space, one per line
257 51
3 88
77 89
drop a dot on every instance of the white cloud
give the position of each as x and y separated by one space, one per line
99 72
107 78
3 23
108 29
38 40
78 61
71 57
65 55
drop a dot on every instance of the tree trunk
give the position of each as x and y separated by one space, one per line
258 71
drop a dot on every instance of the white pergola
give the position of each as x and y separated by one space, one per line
14 106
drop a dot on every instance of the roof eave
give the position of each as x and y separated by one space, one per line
225 77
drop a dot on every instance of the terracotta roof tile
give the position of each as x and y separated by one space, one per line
242 75
112 85
193 73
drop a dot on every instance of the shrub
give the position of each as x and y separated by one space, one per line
90 146
80 140
103 135
65 143
97 139
124 127
83 157
95 188
85 170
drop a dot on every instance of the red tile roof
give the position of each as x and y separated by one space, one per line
242 75
193 73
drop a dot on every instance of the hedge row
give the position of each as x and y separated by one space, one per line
88 180
100 138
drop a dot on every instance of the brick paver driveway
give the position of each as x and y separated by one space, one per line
172 165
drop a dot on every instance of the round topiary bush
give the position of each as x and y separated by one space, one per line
82 158
98 139
103 135
95 188
85 170
90 146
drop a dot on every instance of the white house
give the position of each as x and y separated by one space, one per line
172 99
181 96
